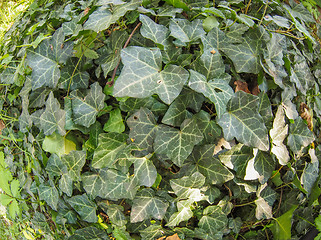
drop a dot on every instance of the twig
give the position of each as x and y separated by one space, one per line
111 82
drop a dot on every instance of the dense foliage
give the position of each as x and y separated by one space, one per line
146 119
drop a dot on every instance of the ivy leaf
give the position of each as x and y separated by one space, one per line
85 110
178 4
145 171
58 144
243 121
300 135
92 143
142 75
278 133
49 194
110 144
45 60
84 207
74 161
53 118
310 175
89 233
146 205
142 125
183 213
189 187
115 122
103 17
177 144
186 31
72 75
55 166
213 220
245 56
210 166
263 209
115 213
152 232
217 90
95 183
65 184
213 39
264 165
265 109
153 31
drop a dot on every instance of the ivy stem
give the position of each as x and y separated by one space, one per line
111 82
247 7
244 204
265 8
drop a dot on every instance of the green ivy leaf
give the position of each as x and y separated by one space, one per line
92 143
110 144
152 232
300 135
95 183
58 144
115 213
86 109
265 109
210 166
243 121
45 60
217 90
264 165
178 4
177 144
103 17
55 166
142 75
145 171
183 213
66 184
84 207
53 118
49 194
89 233
186 31
213 220
310 175
74 161
115 122
146 205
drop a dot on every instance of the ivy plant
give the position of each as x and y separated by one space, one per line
161 119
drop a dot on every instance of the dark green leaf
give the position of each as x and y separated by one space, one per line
55 166
66 184
89 233
264 165
74 161
84 207
186 31
213 220
49 194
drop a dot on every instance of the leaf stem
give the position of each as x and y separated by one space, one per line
111 82
265 8
247 7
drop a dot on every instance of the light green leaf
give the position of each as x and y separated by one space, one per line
72 75
5 199
217 90
177 144
49 194
6 177
71 28
95 183
58 144
3 163
281 228
243 122
300 135
84 207
213 220
65 184
209 23
186 31
145 171
74 161
85 110
15 188
264 165
115 122
183 214
156 32
14 209
89 233
53 118
147 205
110 144
310 175
178 4
103 17
142 125
210 166
278 133
189 187
142 75
245 56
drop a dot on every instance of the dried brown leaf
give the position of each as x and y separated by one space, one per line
241 86
305 114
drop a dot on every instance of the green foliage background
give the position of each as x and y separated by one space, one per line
148 119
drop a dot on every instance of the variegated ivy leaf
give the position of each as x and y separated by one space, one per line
263 209
146 205
177 144
85 108
213 220
84 207
110 144
153 31
74 161
217 90
186 31
45 60
189 187
72 75
264 164
245 56
53 118
89 233
300 135
115 122
104 16
142 125
49 194
210 166
143 76
243 121
184 212
278 133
